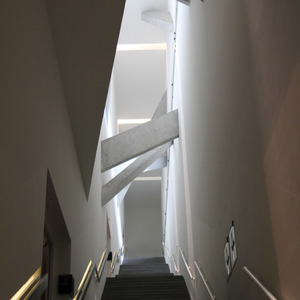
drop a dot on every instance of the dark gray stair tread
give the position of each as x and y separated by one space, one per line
144 260
160 287
141 274
145 275
145 278
148 280
144 297
144 269
146 266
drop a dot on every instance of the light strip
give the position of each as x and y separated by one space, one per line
132 121
147 178
141 47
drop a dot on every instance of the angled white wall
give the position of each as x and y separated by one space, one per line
143 226
36 137
237 65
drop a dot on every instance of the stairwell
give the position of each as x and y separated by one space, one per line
145 278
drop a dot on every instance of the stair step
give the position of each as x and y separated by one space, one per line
144 260
138 280
160 287
145 278
144 269
144 275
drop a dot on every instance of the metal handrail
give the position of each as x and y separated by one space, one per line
171 256
205 281
82 288
262 287
113 262
120 253
116 258
34 286
186 264
100 268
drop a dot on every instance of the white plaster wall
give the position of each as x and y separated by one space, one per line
36 135
143 231
216 170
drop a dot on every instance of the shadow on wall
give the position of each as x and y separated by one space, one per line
274 29
59 239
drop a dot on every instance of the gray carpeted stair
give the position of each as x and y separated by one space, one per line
147 269
143 261
145 278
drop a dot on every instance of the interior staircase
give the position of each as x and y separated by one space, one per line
145 278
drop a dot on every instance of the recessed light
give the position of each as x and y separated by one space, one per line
148 178
132 121
141 47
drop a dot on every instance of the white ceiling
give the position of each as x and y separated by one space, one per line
134 30
140 82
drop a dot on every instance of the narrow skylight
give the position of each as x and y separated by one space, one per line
132 121
141 47
147 178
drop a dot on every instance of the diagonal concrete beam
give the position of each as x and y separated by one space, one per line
139 140
161 108
159 18
119 182
160 163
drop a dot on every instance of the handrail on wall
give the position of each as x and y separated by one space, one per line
120 253
171 256
184 260
84 282
186 265
116 258
212 296
205 281
33 287
113 262
262 287
100 268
